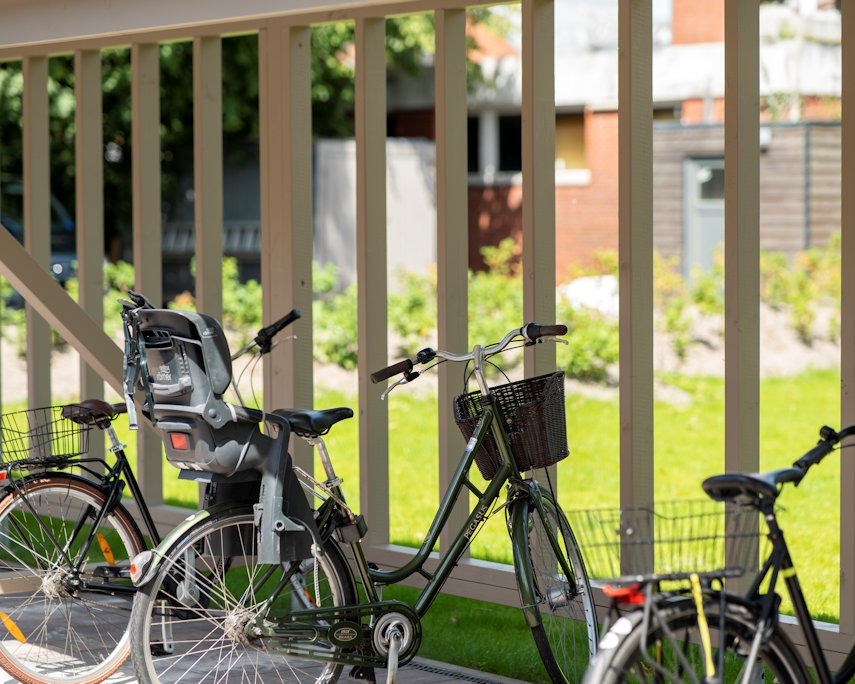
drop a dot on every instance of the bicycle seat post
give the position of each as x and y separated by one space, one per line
320 445
115 444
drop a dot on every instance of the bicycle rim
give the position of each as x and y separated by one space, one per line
674 654
190 622
57 624
566 625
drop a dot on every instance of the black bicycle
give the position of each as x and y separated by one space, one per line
66 544
67 539
695 630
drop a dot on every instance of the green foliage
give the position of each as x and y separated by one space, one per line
334 316
412 310
592 343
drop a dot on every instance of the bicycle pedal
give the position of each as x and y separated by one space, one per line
360 672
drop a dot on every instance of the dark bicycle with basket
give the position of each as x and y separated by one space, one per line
67 538
259 587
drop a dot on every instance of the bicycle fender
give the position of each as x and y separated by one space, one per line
519 542
148 562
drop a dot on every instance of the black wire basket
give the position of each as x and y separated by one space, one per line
535 420
670 540
41 435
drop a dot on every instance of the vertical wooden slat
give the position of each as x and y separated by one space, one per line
742 234
847 321
538 171
286 214
452 239
145 172
89 192
635 246
370 123
37 219
208 173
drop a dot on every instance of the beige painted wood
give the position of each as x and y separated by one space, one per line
742 235
89 193
89 189
286 215
847 324
370 123
37 219
538 172
635 240
452 240
52 302
208 173
148 269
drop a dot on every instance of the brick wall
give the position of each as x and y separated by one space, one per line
698 21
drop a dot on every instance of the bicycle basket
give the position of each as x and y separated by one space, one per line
670 540
42 434
533 410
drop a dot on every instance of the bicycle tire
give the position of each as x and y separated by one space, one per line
559 610
207 637
56 627
620 658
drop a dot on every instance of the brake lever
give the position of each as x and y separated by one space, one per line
408 377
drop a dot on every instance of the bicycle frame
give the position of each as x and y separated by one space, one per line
111 484
780 564
506 474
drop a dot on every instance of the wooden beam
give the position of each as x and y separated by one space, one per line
286 215
742 235
847 322
370 123
538 172
452 240
208 173
37 228
52 302
146 195
635 249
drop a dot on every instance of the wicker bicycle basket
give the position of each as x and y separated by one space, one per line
670 540
534 415
41 434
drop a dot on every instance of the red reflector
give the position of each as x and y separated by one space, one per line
179 441
3 476
631 594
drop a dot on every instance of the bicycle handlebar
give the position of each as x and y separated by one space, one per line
829 438
265 336
532 333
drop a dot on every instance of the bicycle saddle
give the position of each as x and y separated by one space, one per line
310 423
732 486
92 411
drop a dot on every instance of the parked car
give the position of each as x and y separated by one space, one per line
62 230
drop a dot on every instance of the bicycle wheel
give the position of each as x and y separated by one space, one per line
190 621
628 655
65 589
554 588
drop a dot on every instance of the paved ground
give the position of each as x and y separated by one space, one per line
419 671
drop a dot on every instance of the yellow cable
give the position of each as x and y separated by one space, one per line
697 594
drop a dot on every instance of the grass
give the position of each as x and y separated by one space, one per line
688 446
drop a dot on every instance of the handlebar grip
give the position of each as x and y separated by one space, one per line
534 331
815 455
385 373
262 339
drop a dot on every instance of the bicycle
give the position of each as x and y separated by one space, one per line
703 633
285 605
67 540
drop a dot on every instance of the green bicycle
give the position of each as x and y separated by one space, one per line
241 592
